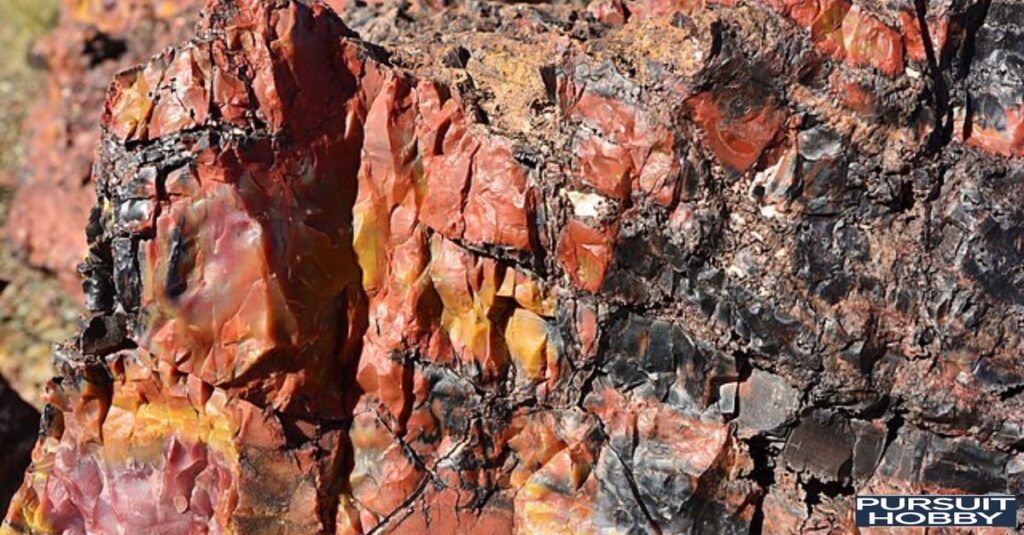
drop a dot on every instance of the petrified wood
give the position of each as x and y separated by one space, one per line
634 267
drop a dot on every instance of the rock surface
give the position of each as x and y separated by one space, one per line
640 266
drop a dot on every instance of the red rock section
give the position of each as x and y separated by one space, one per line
993 114
684 272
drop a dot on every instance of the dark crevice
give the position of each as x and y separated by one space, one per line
103 47
893 427
816 490
763 475
637 495
1011 392
940 89
903 199
408 379
874 347
973 20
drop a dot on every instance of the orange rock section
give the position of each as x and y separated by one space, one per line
738 142
142 448
861 34
837 27
585 254
96 39
250 267
322 266
999 130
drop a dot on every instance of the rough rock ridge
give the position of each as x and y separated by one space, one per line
638 267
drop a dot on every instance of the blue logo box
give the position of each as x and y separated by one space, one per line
936 511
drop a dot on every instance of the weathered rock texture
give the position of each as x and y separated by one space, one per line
640 267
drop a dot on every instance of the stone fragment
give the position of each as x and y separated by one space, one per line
766 403
868 446
919 460
727 398
784 507
822 446
584 253
996 122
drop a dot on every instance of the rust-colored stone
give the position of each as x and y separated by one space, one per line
585 254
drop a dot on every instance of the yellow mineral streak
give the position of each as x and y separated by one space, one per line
557 498
532 297
369 228
133 106
487 307
527 338
133 432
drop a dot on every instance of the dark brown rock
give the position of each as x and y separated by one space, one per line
18 431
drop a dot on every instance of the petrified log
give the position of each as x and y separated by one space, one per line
641 267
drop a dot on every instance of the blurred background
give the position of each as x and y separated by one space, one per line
36 310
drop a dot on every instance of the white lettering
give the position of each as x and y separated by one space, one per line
863 502
904 519
877 518
974 502
961 518
989 518
1003 500
921 502
965 511
899 504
